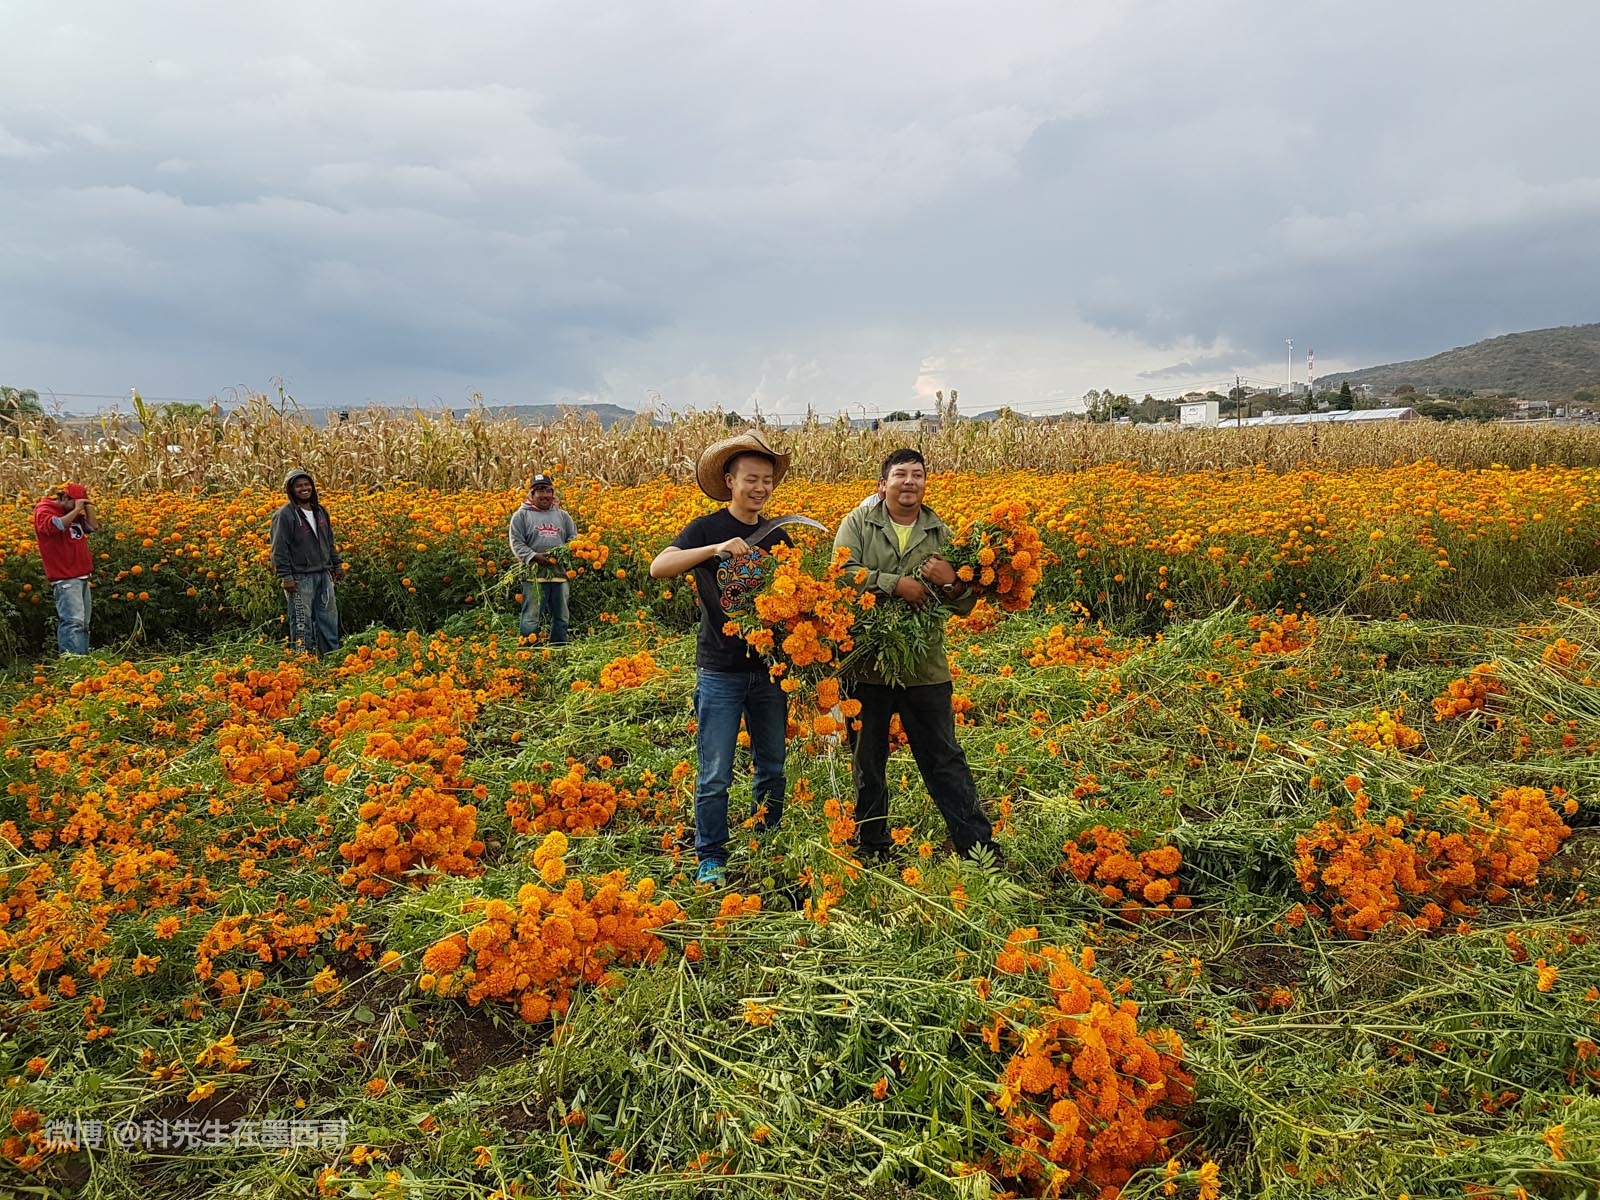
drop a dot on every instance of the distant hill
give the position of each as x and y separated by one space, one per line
1541 364
549 414
528 414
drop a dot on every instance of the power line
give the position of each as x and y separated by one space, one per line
124 396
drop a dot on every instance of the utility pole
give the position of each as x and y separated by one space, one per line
1238 403
1289 396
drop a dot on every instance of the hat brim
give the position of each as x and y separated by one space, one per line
711 470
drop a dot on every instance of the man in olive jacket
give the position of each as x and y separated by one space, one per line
898 540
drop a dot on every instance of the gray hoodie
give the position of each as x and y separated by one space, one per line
533 532
296 548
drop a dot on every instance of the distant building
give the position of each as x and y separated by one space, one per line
1198 412
1334 415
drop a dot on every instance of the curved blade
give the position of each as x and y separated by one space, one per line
767 527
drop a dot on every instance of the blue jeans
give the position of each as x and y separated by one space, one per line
313 614
720 699
72 615
540 600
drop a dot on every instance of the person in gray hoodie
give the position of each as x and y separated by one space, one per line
306 560
537 528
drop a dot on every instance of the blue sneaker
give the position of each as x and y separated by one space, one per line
711 871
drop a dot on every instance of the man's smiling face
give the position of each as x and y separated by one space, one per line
903 487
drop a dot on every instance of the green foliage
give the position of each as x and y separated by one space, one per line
1439 410
1541 364
1485 408
892 639
17 404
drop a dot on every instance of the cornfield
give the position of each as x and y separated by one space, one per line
256 444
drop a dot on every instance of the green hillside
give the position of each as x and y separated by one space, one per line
1541 364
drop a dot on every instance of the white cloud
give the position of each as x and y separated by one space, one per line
12 146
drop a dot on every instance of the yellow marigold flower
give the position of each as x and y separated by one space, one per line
758 1014
1547 975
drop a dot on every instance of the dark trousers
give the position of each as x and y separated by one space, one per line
930 724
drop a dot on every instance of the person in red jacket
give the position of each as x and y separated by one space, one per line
62 524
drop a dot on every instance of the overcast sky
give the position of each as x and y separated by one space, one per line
783 204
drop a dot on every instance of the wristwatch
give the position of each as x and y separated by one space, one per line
953 590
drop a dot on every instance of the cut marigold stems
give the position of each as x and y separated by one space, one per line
1405 870
1088 1094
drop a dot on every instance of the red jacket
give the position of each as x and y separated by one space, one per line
65 552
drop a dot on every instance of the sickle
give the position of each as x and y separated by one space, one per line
767 527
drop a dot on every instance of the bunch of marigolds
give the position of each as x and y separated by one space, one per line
1289 633
628 671
1135 881
1469 694
1387 732
1088 1096
412 824
571 802
1002 553
534 952
252 754
410 829
832 712
1081 649
1405 871
798 619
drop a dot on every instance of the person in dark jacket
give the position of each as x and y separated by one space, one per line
306 560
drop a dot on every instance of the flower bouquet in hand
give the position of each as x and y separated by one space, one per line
893 637
803 624
1000 554
584 553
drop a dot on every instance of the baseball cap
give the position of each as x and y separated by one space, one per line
76 491
541 480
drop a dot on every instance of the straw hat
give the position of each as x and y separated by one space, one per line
710 470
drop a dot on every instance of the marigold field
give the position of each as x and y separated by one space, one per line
1296 773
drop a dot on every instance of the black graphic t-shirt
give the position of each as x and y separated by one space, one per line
725 586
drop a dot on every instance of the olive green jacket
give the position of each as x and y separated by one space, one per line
869 534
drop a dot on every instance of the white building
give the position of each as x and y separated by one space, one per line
1200 413
1359 415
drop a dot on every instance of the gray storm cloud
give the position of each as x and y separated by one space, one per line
794 207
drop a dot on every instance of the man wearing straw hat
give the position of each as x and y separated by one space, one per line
722 552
